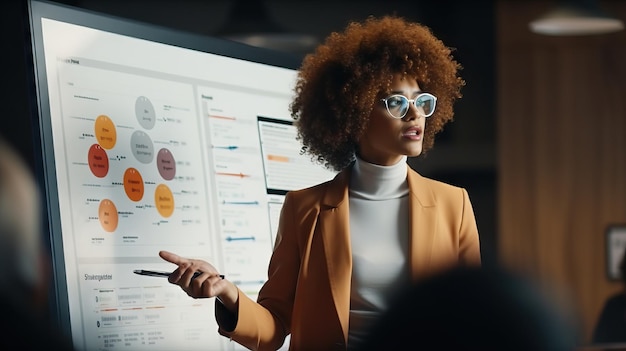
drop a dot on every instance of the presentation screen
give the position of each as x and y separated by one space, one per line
155 139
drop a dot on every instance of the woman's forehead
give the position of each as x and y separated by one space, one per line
400 80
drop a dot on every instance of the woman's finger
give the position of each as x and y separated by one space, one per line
171 257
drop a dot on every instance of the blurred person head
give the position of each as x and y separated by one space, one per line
471 308
24 276
21 250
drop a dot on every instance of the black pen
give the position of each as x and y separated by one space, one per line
164 274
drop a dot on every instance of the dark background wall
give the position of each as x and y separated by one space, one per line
561 154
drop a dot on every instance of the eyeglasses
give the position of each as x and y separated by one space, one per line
398 105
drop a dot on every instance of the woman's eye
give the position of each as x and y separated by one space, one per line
394 102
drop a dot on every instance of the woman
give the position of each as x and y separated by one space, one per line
367 99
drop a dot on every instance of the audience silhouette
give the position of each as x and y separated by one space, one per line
489 308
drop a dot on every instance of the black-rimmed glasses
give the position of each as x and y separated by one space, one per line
398 105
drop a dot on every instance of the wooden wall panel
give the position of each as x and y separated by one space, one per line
561 144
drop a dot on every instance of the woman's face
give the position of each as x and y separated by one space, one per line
387 140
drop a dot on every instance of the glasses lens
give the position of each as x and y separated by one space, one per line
397 105
425 104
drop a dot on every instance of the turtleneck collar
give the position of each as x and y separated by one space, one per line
377 182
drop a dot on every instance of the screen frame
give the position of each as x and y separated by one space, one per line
41 114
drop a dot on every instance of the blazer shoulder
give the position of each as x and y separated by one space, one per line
438 184
430 192
433 184
329 193
311 191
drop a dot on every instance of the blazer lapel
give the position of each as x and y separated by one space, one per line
335 230
422 224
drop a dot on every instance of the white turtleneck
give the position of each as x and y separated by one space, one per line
379 231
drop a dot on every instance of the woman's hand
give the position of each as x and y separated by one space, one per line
207 284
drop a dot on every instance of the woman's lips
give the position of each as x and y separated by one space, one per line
413 133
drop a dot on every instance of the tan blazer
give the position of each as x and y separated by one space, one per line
308 290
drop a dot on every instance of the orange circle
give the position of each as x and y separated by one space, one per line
133 184
164 200
107 214
105 132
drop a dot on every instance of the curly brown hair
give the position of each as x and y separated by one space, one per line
338 84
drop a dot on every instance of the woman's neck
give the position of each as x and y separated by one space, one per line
379 182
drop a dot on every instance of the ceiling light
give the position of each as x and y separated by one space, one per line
576 17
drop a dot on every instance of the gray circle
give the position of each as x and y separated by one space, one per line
144 111
142 147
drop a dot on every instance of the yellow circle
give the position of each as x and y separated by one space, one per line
164 200
106 133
